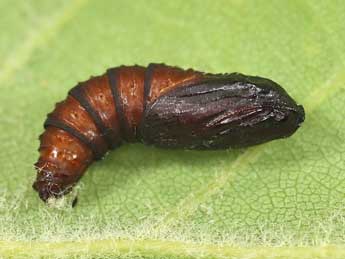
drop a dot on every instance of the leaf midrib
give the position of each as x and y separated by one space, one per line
155 248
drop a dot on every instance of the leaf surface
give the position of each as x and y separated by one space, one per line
283 199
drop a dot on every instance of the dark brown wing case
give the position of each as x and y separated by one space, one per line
221 112
160 105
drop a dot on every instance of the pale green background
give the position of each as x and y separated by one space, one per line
286 192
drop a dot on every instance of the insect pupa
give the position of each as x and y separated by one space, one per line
159 105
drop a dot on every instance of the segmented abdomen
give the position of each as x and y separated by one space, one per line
98 115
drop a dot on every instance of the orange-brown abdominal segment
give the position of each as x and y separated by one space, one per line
63 160
79 130
161 78
98 95
128 86
70 114
100 108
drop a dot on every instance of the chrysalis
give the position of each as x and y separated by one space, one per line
163 106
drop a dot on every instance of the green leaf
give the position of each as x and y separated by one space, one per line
283 199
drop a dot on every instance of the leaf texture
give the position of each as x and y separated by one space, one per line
283 199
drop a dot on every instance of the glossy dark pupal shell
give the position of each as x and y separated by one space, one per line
223 111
